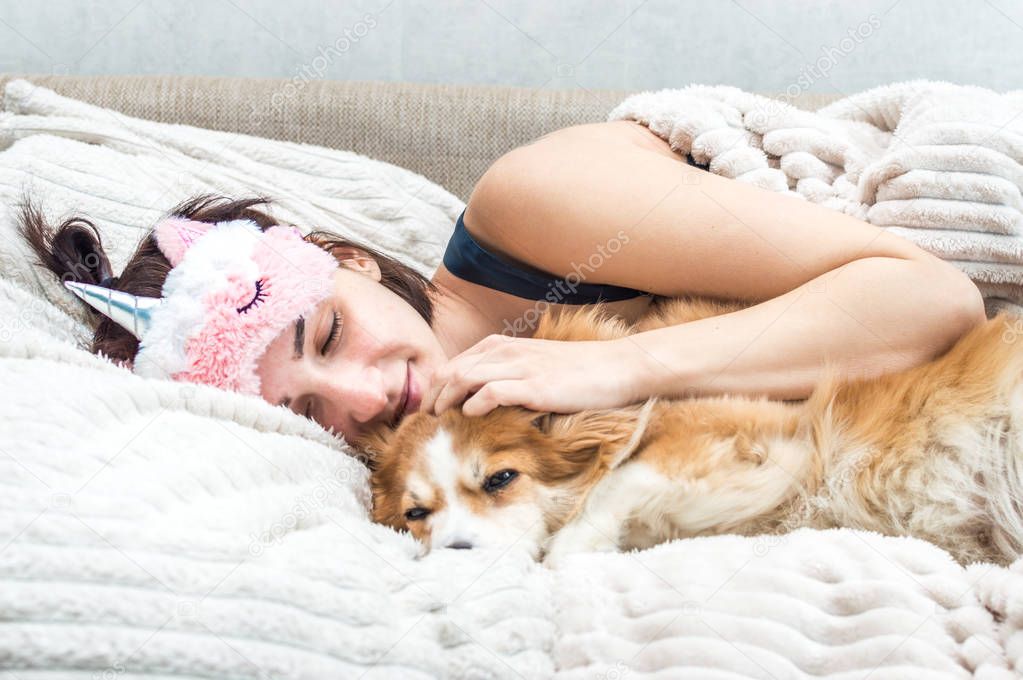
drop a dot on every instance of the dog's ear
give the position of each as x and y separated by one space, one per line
371 447
599 437
543 422
376 451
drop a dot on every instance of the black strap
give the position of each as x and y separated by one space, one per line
468 260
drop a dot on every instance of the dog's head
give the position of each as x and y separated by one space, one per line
509 477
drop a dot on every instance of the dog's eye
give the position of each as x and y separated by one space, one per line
499 480
415 514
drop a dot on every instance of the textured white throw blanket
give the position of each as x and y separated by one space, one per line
938 164
155 530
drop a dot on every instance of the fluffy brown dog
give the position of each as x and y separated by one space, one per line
932 452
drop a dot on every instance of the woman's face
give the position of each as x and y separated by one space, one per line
352 379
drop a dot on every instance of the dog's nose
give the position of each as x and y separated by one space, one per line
460 545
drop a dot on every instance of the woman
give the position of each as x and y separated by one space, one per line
601 212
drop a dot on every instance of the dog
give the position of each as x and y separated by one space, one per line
932 452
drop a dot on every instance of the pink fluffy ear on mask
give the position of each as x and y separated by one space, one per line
175 235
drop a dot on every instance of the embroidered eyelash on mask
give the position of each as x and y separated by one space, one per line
257 298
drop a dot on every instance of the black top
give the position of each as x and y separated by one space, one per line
469 261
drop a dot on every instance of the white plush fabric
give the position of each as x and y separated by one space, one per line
150 529
125 173
938 164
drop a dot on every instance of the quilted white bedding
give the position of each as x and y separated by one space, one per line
156 530
938 164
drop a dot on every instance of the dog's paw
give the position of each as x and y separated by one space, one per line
556 557
555 560
576 539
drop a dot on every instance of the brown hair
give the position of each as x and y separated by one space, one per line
73 251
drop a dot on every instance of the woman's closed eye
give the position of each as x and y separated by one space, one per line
332 337
335 331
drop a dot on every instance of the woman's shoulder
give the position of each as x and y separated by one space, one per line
559 149
525 184
536 203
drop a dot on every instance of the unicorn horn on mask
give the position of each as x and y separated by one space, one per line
131 312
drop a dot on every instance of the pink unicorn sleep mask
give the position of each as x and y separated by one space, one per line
232 289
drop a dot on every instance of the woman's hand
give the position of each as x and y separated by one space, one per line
541 375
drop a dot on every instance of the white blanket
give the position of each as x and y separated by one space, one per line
938 164
153 530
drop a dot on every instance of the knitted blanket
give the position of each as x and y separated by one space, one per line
150 529
938 164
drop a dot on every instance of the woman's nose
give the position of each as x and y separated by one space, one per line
361 393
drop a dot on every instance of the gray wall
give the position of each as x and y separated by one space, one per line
768 45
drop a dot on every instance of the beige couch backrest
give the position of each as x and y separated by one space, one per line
448 133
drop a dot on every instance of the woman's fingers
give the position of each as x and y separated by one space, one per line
537 374
459 378
468 371
497 393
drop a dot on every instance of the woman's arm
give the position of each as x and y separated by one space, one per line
822 285
870 316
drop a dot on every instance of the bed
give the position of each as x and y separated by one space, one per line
153 529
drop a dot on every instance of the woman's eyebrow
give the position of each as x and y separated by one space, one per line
299 349
299 338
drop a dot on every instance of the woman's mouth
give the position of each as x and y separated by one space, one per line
410 396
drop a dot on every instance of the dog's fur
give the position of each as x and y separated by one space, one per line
932 452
